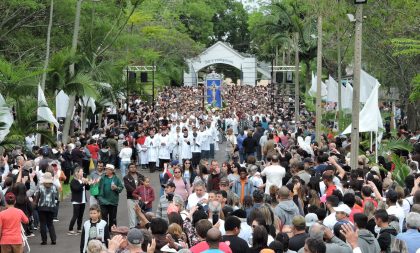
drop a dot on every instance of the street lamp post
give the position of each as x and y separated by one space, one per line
356 85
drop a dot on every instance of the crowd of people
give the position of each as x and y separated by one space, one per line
275 189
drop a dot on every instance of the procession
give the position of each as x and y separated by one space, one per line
151 135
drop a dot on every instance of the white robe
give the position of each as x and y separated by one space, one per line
196 143
174 144
185 148
142 152
164 147
205 140
152 148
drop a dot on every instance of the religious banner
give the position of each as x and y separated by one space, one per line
213 87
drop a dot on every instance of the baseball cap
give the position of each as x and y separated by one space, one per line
311 219
135 236
174 162
343 208
299 221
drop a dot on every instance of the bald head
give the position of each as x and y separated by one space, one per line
284 192
213 238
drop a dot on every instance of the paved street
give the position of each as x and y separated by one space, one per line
66 243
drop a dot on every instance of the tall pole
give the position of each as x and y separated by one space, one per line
339 70
128 81
356 87
318 82
297 77
153 86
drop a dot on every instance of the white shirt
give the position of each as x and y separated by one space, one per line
125 154
193 199
274 175
330 221
398 212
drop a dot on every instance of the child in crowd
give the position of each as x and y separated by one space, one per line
145 194
94 229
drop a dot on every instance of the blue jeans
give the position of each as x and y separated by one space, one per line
123 167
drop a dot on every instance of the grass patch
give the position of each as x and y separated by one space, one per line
66 190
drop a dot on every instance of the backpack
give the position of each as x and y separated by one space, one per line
47 198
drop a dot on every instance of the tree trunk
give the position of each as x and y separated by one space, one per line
46 62
297 88
72 97
318 82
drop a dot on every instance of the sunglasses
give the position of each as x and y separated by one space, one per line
177 172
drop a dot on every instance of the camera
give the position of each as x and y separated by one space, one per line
170 197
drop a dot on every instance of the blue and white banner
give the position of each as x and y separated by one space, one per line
214 95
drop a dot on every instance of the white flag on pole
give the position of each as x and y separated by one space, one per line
61 104
370 119
332 88
6 118
367 84
313 89
44 112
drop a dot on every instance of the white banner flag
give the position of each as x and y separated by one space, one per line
370 119
44 112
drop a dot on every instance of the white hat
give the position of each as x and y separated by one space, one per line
110 166
311 219
343 208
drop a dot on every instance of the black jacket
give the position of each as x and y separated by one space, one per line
384 238
130 184
77 190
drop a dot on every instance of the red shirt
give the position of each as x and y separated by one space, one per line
93 149
203 246
10 223
330 190
356 209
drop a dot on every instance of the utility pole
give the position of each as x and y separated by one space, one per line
339 70
297 88
318 82
356 87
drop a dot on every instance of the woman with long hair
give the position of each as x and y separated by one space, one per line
78 187
259 239
189 173
233 174
23 203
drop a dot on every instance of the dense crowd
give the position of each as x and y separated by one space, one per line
275 190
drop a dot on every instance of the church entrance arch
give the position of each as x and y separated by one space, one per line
221 53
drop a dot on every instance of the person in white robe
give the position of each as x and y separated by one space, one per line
152 150
196 147
185 143
174 140
163 142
